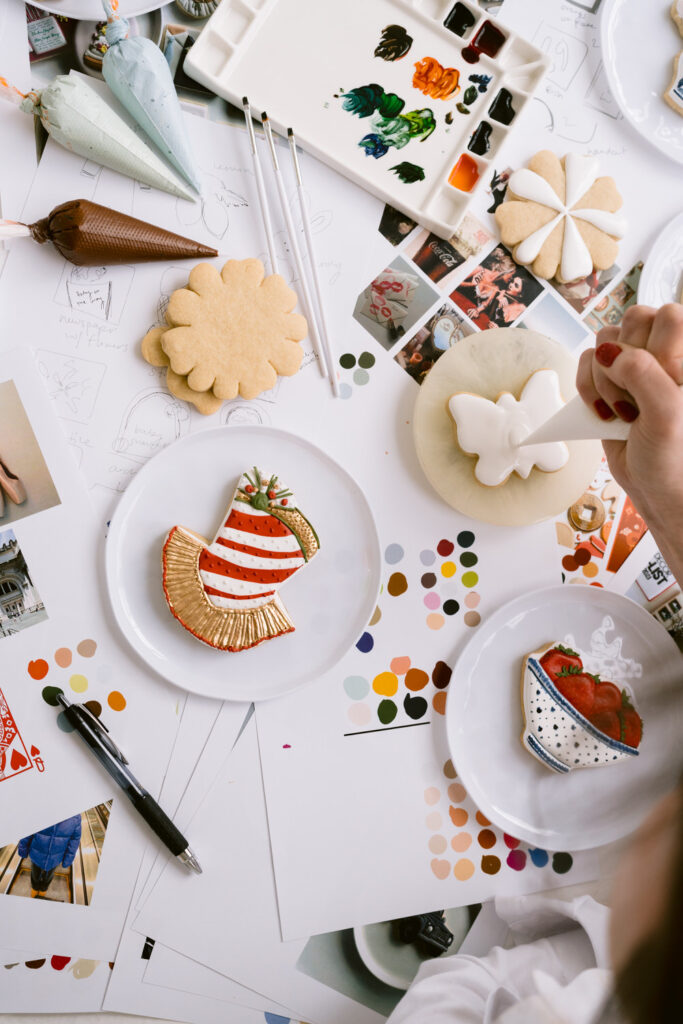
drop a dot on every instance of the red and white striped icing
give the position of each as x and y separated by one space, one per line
250 543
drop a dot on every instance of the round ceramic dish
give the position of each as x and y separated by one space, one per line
662 278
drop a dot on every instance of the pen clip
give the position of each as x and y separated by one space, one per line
102 732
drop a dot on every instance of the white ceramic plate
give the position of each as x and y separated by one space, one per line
92 10
639 42
662 278
587 807
191 483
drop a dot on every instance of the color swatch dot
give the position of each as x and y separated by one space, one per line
441 675
434 821
415 707
458 816
472 599
59 962
385 684
94 707
434 620
468 559
78 683
365 643
590 570
427 557
386 711
394 553
463 869
34 965
486 838
63 657
345 390
38 669
461 842
441 868
469 579
448 569
416 679
582 556
64 723
356 687
347 361
87 648
50 694
472 618
116 701
539 858
432 601
569 563
376 616
397 584
510 841
439 702
516 859
562 862
399 665
428 580
451 607
432 795
366 360
445 548
456 792
465 539
360 377
360 714
482 819
449 768
490 865
437 844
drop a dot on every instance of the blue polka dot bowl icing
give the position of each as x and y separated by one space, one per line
556 733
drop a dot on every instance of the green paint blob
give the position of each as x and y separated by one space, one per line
562 863
366 360
470 579
468 559
408 173
347 361
361 377
386 711
50 694
415 707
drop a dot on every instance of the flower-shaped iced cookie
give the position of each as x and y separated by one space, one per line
561 218
233 332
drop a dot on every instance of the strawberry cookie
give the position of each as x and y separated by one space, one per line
573 718
226 593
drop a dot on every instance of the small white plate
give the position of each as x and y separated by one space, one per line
191 483
662 278
484 721
639 42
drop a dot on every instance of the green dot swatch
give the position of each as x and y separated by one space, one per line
347 361
386 711
366 360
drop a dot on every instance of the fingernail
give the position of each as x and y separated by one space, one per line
607 353
626 411
603 410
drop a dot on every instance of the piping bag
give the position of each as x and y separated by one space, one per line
136 71
577 422
78 118
91 235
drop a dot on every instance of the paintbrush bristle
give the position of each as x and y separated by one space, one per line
245 101
290 132
264 116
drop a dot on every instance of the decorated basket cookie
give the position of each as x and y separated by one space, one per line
674 91
573 718
227 593
561 218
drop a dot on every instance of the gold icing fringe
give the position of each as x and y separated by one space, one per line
222 628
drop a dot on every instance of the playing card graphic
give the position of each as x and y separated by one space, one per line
14 757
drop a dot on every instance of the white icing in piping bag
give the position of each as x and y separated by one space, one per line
577 422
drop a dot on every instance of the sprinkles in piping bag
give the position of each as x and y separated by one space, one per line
136 71
79 119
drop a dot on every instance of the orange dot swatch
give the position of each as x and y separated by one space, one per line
461 842
116 701
487 838
399 666
458 816
38 669
416 679
63 657
482 819
463 869
439 702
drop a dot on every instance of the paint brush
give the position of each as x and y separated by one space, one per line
286 213
260 187
327 345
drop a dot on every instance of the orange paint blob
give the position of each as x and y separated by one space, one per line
416 679
458 816
399 666
463 869
482 819
38 669
465 174
63 657
461 842
434 80
487 838
116 701
439 703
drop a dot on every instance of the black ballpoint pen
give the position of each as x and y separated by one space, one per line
96 736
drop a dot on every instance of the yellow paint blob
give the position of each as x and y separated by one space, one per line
448 569
78 683
385 684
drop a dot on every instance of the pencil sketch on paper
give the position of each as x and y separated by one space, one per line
152 420
171 279
213 208
91 170
240 414
566 52
72 383
100 292
599 95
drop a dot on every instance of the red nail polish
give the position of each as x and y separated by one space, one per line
607 353
626 410
603 410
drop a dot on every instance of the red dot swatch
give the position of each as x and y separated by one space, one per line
445 548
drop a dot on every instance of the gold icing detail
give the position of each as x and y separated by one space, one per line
301 528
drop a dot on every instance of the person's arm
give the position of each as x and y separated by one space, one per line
24 846
72 846
634 373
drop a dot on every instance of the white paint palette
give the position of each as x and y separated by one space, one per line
412 99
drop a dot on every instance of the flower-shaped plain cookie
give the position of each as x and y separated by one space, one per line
561 217
233 332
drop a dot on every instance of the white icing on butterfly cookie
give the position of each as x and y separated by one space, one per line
494 431
581 174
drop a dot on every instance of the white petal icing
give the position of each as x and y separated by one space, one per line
494 431
581 173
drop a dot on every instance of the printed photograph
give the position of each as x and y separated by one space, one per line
20 603
549 317
498 186
445 329
374 964
439 259
609 311
579 294
393 302
497 292
26 486
395 226
59 863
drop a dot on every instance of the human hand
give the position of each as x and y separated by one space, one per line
634 373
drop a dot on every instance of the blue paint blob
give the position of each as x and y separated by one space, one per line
394 553
356 687
539 858
345 390
427 557
63 723
275 1018
366 643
